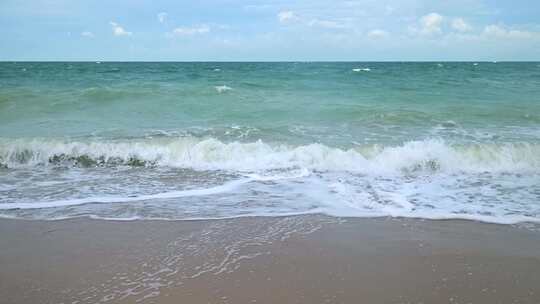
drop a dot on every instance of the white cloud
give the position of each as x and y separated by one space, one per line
496 31
87 34
162 17
190 31
326 24
286 16
118 30
431 24
460 25
377 33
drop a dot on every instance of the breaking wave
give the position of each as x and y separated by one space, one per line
212 154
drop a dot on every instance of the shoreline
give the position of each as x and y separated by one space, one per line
292 259
488 220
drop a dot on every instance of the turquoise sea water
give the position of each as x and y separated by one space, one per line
214 140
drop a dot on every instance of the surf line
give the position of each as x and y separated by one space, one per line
227 187
127 199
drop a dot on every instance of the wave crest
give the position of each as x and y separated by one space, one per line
212 154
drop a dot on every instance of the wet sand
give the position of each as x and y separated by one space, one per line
303 259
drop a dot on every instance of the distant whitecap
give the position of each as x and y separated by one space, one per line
223 88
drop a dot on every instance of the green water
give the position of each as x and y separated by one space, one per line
132 140
290 102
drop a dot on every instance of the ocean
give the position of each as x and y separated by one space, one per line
182 141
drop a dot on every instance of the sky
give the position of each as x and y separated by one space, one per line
292 30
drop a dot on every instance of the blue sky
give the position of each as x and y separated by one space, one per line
234 30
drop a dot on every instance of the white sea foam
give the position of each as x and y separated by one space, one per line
420 179
286 175
361 70
212 154
224 188
123 199
496 198
438 198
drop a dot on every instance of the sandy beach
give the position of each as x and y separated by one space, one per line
302 259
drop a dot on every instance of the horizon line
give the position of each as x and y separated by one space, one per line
265 61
